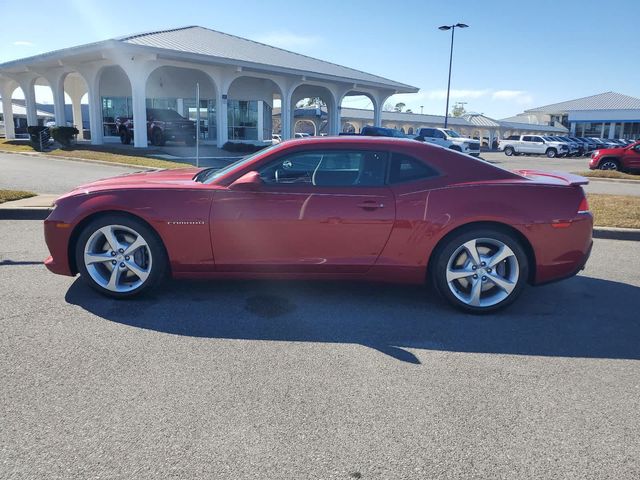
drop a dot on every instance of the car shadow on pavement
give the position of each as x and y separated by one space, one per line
580 317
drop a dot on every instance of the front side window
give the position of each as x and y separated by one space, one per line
527 139
328 169
404 168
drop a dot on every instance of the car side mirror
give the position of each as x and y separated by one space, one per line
249 182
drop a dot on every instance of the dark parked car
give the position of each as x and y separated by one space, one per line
162 125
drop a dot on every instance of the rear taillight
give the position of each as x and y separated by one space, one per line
584 206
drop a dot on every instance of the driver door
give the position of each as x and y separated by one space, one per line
315 211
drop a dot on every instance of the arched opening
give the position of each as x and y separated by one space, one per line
250 102
306 126
317 102
174 88
115 99
76 89
410 131
44 102
348 127
19 112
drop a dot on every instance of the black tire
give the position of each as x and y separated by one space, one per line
157 138
449 248
508 151
157 268
125 137
551 153
455 148
609 164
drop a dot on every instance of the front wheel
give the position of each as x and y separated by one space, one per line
480 270
509 151
552 153
609 164
120 256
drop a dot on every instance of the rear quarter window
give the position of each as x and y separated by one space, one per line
404 168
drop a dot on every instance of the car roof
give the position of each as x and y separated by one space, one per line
354 140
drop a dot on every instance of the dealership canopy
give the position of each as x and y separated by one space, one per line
238 78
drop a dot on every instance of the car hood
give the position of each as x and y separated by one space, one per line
607 151
178 178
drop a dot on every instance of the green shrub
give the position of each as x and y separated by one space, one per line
64 135
38 136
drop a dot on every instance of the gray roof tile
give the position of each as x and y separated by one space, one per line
203 41
601 101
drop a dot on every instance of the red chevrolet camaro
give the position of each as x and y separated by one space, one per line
349 208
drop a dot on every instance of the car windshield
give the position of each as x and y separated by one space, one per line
160 114
549 139
451 133
211 174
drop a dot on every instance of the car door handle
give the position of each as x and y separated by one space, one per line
370 205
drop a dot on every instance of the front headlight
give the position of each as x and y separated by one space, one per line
596 153
466 144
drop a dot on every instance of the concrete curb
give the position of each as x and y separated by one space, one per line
611 233
36 213
613 180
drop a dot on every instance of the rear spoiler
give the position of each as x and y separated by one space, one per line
560 178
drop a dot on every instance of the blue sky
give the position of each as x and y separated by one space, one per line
515 54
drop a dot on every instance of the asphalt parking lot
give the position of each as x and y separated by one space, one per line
272 380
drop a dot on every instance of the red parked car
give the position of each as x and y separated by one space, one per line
626 159
349 208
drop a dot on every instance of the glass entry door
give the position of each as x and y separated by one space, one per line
208 129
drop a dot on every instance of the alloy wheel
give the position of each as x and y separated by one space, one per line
482 272
118 258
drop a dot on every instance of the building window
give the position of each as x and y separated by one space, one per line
593 129
242 116
631 130
208 121
112 108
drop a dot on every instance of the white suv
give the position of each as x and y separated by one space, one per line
450 139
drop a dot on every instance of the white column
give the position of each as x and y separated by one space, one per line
573 129
377 114
95 115
7 112
57 88
260 120
285 115
30 102
334 122
602 130
139 106
76 105
612 130
221 119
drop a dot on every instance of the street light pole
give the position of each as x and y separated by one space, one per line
453 30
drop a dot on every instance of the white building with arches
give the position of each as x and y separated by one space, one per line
239 81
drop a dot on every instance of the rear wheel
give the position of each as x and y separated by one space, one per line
157 138
456 148
480 270
508 151
609 164
125 137
551 153
120 256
